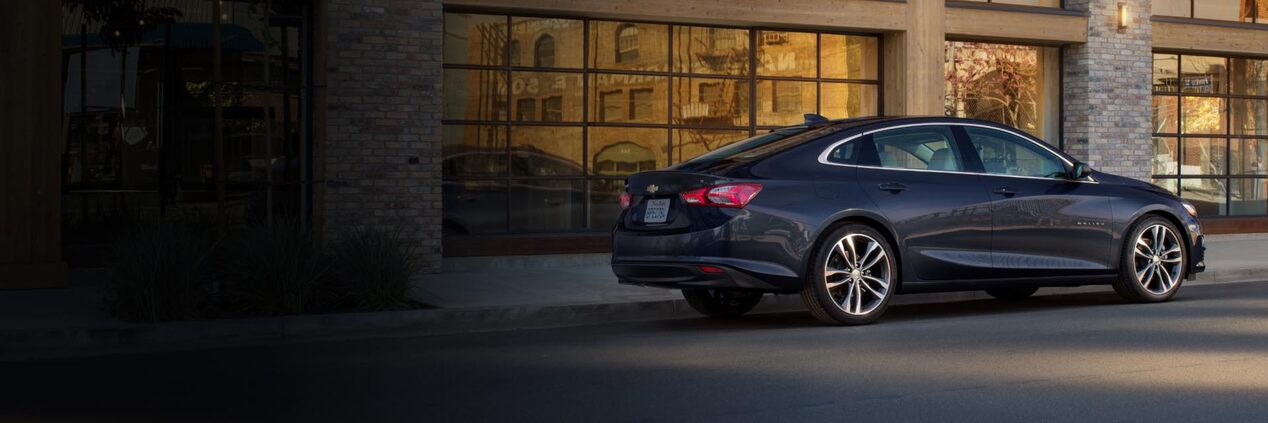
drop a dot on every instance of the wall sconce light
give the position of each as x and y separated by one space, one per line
1124 16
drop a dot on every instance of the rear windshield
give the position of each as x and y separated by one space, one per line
758 146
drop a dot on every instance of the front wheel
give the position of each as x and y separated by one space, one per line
852 278
1153 260
721 303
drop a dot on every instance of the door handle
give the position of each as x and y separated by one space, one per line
1004 191
891 187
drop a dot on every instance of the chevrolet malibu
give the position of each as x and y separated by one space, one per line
848 213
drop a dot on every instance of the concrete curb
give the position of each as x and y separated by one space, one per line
117 337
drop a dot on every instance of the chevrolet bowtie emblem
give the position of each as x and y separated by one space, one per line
651 189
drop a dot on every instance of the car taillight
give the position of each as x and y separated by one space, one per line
729 195
625 200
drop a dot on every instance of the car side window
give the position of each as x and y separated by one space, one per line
846 153
1003 153
918 147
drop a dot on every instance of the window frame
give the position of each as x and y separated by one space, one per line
824 157
1254 14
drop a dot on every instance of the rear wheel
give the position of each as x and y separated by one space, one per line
853 277
1153 260
721 303
1015 293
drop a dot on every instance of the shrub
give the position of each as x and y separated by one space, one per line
373 267
159 273
272 270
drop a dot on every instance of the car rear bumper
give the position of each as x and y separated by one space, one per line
680 275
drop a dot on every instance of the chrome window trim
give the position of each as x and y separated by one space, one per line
823 157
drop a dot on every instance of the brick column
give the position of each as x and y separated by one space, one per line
382 152
1107 89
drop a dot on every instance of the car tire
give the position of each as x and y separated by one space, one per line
841 290
1012 293
722 303
1153 262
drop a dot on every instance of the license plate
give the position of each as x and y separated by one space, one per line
656 211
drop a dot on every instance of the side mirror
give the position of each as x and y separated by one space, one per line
1079 171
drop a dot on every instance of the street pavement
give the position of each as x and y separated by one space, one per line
1081 357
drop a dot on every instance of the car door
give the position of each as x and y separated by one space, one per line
918 179
1042 223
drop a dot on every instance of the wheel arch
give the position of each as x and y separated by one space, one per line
1169 217
873 220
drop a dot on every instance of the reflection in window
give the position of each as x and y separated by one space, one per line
525 109
1203 156
1208 195
1010 84
783 53
712 102
1165 155
1202 115
784 102
553 109
1165 112
1217 162
1249 76
626 43
546 150
472 39
715 51
620 97
544 52
1201 74
640 104
1224 10
618 151
610 106
473 150
689 143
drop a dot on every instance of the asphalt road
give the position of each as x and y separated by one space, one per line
1086 357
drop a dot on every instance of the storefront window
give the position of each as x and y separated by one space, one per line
140 102
1014 85
1210 128
1224 10
542 141
1039 3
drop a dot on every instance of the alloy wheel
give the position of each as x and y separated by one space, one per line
1159 259
857 274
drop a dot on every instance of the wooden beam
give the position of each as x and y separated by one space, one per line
1209 38
860 15
1016 26
30 155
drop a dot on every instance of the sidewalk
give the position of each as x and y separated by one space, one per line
473 294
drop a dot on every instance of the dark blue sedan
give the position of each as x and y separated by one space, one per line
848 213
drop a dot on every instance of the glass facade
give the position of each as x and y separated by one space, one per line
545 116
1014 85
1210 124
1039 3
1223 10
142 90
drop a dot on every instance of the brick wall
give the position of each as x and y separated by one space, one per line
1107 90
383 100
